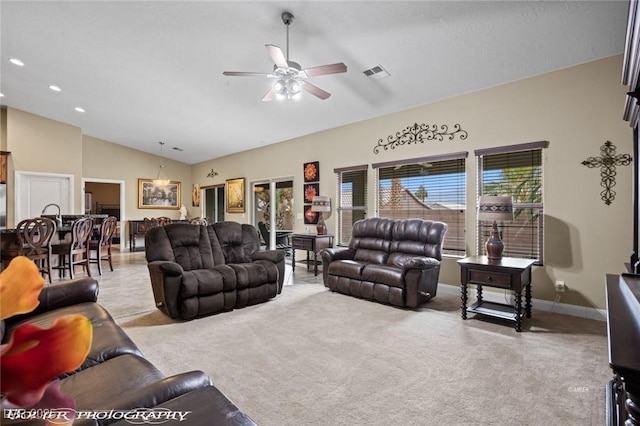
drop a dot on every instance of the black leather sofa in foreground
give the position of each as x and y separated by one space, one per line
115 380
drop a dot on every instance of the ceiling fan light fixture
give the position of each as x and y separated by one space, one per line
294 87
280 86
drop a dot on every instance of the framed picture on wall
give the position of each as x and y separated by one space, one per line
152 196
235 195
312 171
310 191
195 195
310 217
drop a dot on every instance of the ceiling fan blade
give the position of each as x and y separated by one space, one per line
315 90
277 56
245 74
271 95
325 69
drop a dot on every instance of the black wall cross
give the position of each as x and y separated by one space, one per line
607 163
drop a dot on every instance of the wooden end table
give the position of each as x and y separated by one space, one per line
311 243
507 273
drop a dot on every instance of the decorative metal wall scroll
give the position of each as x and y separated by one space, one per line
212 174
607 163
420 133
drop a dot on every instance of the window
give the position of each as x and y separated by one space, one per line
352 200
515 170
432 188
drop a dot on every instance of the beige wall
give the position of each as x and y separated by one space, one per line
38 144
105 160
576 109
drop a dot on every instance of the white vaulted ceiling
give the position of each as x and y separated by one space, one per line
151 71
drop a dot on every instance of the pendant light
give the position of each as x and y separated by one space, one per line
161 179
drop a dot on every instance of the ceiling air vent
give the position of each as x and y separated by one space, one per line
377 73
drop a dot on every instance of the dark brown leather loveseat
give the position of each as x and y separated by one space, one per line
115 379
199 270
396 262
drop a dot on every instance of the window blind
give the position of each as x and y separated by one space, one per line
352 200
519 174
432 188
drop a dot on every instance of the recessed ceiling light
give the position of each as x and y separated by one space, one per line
79 109
1 95
55 88
16 61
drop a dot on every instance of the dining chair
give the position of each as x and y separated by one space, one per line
75 252
34 241
102 245
282 238
199 221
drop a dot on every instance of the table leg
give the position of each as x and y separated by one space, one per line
518 311
315 264
479 291
308 260
527 299
463 298
293 259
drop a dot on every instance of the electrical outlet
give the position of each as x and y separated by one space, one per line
560 286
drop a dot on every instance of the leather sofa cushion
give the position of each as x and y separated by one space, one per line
92 387
347 268
373 256
109 340
208 281
383 274
399 259
205 406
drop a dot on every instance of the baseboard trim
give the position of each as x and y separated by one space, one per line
538 304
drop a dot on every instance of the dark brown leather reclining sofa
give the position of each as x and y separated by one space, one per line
115 376
199 270
396 262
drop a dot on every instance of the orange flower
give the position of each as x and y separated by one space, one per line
34 356
20 285
310 172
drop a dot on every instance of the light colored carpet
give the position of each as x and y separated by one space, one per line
312 357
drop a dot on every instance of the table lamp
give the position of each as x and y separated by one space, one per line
320 204
495 208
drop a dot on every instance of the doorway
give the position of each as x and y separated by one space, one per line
273 204
214 203
106 196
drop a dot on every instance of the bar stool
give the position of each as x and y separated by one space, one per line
34 241
77 251
102 246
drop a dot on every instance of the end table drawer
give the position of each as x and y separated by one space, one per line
302 243
494 279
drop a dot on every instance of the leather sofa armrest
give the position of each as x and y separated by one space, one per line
153 395
421 263
63 294
336 253
274 256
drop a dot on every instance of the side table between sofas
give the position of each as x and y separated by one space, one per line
311 243
507 273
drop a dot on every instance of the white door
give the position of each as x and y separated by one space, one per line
36 190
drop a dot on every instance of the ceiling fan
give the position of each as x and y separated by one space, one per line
289 76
